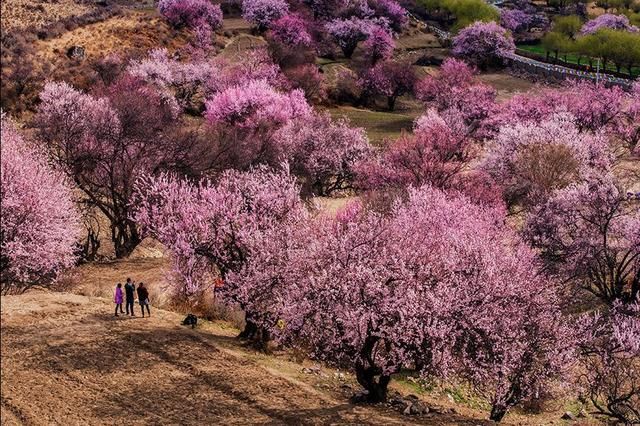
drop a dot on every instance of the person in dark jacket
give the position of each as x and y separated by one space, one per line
143 298
130 293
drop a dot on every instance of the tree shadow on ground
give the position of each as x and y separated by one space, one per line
179 376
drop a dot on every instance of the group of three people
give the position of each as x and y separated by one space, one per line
130 291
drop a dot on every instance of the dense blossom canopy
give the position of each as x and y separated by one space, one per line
370 292
531 160
610 21
210 227
262 13
589 235
291 30
256 103
483 43
40 223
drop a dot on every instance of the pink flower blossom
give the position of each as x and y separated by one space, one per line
610 21
40 223
483 43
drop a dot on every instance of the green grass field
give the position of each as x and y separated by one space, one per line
571 58
379 125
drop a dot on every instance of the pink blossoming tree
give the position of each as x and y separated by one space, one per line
202 16
291 30
262 13
455 90
245 118
590 236
40 223
610 21
435 155
256 103
610 348
532 160
191 13
372 294
390 79
323 152
348 32
105 141
390 10
213 229
379 45
483 43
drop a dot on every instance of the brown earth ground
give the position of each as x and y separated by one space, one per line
67 360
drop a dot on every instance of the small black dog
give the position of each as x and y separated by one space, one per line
191 320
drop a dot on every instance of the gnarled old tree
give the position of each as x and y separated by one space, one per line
105 141
217 228
368 292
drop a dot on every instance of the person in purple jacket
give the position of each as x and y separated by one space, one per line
118 298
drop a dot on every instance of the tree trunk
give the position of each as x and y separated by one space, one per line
367 371
258 336
497 413
125 238
348 50
391 102
635 286
90 246
377 388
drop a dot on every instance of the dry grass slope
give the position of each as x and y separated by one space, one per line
20 14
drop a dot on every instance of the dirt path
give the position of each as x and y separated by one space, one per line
67 360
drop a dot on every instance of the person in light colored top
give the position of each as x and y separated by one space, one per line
117 298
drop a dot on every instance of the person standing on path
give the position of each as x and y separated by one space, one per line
143 298
117 298
130 292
